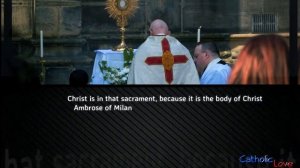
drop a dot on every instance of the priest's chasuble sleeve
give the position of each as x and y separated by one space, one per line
149 65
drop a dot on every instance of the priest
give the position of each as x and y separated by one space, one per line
162 59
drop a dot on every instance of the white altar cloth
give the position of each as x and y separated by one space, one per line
113 58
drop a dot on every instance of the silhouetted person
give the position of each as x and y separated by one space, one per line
21 73
79 78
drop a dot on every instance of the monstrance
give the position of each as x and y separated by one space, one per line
121 10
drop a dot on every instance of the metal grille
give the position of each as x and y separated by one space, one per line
264 23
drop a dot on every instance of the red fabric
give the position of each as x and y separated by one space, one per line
158 60
153 61
169 76
180 59
165 45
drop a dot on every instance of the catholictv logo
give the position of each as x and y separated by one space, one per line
252 159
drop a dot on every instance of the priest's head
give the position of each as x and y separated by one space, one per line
159 27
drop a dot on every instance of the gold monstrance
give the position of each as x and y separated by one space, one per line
121 10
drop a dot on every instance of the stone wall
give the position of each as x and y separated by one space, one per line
73 29
73 18
59 18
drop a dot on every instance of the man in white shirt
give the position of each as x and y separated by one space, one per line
211 68
162 59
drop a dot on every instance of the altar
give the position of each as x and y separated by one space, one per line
113 58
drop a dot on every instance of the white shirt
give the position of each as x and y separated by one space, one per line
215 73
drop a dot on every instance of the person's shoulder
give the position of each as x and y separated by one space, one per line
145 47
223 65
145 42
151 40
218 66
220 69
173 40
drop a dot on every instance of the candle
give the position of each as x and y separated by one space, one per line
198 34
41 44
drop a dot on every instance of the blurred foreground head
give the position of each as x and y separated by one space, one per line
79 78
263 60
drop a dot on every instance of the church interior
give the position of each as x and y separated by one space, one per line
73 30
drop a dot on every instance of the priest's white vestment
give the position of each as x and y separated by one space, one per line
149 65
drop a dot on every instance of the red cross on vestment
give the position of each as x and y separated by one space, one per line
167 60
